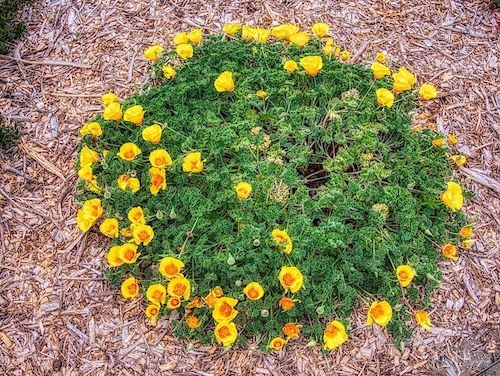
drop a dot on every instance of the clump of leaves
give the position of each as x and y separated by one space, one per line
9 30
356 189
9 134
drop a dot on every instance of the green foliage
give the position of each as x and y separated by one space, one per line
354 186
10 31
9 134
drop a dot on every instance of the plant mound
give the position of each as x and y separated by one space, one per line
261 201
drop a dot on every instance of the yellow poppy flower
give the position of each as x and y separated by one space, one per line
261 94
94 186
143 234
290 66
246 32
128 253
467 243
403 80
218 291
328 50
439 142
197 302
465 232
92 209
334 336
320 29
156 294
345 55
87 157
160 158
452 197
300 39
291 278
129 151
168 71
260 35
192 322
380 312
450 251
170 267
311 64
152 312
181 38
195 36
286 303
179 287
109 98
152 133
243 190
291 330
224 82
134 114
226 333
130 288
85 173
283 240
113 256
231 29
158 180
380 70
458 159
277 343
380 57
405 274
173 303
109 227
210 299
153 53
427 92
284 31
224 309
112 111
192 163
125 182
453 139
91 128
84 224
385 97
423 319
184 50
136 215
254 291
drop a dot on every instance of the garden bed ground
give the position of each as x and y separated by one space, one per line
59 316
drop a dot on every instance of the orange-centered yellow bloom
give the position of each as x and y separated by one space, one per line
181 38
128 253
91 128
452 197
168 71
458 159
224 309
405 274
84 224
345 55
158 180
153 53
291 278
254 291
152 133
334 336
134 114
380 57
453 139
277 343
226 333
85 173
218 291
211 299
160 158
173 303
109 98
300 39
231 29
224 82
320 29
109 227
284 31
403 80
385 97
423 319
179 287
290 66
125 182
260 35
92 209
311 64
439 142
170 267
152 312
195 36
192 322
156 294
129 288
380 312
192 162
143 234
286 303
184 50
136 215
246 32
129 151
283 240
261 94
197 302
112 111
465 232
291 330
380 70
427 92
87 157
450 251
113 256
243 190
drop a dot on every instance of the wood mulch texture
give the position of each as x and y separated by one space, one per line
59 316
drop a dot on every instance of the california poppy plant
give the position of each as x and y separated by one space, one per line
291 278
379 312
334 336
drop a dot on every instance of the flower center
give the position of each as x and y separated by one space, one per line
225 309
161 161
224 332
129 254
171 269
288 279
403 275
157 295
143 235
132 289
179 289
175 302
157 180
129 154
331 331
153 311
253 293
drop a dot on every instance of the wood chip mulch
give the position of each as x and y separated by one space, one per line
59 316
